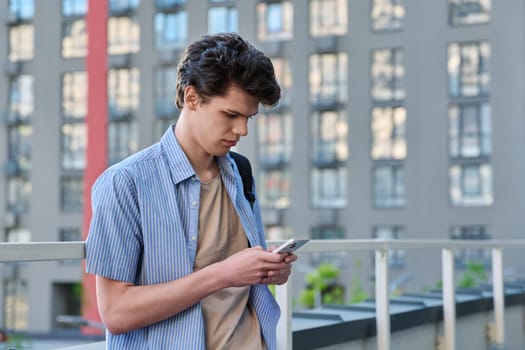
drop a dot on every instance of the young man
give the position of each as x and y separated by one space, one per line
178 251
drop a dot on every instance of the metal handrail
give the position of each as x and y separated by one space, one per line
43 251
382 248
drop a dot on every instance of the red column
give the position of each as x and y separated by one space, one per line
96 121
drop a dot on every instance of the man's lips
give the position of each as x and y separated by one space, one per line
230 143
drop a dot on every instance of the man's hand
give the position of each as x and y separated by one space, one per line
256 266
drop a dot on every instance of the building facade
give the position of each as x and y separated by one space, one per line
399 119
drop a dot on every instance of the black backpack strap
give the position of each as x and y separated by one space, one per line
245 169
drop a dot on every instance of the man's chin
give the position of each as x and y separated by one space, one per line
222 153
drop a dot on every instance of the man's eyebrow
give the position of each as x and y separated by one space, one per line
234 112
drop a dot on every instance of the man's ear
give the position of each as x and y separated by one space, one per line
191 97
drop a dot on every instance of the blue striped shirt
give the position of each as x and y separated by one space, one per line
144 230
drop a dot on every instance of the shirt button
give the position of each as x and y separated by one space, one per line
194 203
193 238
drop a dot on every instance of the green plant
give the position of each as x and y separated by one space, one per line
322 287
473 275
17 340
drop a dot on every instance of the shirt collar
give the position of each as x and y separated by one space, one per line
179 164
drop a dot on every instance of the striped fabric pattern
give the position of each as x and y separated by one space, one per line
144 230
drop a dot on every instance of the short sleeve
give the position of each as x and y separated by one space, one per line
114 242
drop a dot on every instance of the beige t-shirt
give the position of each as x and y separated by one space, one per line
229 320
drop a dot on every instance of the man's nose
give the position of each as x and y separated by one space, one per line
240 126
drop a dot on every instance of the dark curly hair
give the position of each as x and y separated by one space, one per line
214 62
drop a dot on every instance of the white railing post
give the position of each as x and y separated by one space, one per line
499 297
449 299
382 301
283 296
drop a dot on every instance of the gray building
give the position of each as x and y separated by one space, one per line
399 119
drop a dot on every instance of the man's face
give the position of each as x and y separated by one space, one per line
218 124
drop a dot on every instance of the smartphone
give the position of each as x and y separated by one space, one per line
290 246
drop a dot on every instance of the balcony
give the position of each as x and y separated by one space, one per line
15 168
326 44
119 113
170 5
120 61
16 17
429 318
121 8
15 118
325 101
13 68
167 56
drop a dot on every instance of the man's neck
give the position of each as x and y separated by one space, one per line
204 164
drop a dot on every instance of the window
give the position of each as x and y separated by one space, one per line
165 92
21 42
468 69
387 15
18 235
19 147
73 139
222 19
470 130
74 39
123 36
328 81
18 195
74 95
463 257
467 12
283 74
388 75
274 139
328 187
16 302
278 232
122 140
71 8
72 191
22 9
274 190
329 136
471 184
389 186
171 30
328 17
389 133
21 96
396 258
327 232
275 21
123 91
